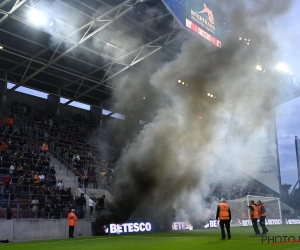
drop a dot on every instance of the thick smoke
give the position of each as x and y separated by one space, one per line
168 167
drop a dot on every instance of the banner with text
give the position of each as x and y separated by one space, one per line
202 17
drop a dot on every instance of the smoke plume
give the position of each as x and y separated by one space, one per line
196 138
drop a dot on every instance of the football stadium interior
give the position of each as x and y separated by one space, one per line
155 104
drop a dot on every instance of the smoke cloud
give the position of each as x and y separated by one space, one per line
168 167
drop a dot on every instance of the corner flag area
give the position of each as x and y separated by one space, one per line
242 237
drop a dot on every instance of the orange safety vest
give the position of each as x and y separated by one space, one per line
3 147
224 211
262 210
254 214
72 219
45 147
10 121
36 179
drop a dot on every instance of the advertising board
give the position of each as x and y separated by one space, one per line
200 16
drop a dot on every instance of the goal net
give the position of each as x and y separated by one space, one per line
240 213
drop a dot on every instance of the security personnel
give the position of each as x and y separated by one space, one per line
262 216
72 218
224 214
254 216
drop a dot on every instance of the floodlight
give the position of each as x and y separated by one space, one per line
258 67
179 81
37 17
182 83
1 47
208 94
282 67
240 38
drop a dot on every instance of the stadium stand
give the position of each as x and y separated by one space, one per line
27 176
29 186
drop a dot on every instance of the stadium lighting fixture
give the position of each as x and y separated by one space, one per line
1 47
211 95
179 81
37 18
282 67
144 97
258 67
208 94
199 117
240 38
182 83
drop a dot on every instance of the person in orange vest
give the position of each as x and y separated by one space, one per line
254 216
10 121
262 216
224 214
72 218
45 147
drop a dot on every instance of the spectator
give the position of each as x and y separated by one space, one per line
91 205
34 206
9 213
80 205
60 185
48 211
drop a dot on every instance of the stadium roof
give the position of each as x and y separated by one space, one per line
75 48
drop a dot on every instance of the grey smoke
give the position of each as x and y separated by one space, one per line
173 159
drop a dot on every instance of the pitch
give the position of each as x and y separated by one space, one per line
242 238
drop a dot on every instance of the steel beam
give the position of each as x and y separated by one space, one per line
119 14
17 5
136 60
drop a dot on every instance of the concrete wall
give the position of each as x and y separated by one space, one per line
18 230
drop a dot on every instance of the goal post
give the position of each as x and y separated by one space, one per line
240 213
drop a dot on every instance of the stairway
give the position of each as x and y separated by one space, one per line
63 174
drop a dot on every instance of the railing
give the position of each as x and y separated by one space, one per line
70 167
47 206
21 121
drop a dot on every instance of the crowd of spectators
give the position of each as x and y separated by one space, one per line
28 185
26 175
72 144
235 189
89 151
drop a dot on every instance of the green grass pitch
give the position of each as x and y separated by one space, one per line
242 238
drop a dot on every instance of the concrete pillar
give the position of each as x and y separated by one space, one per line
3 88
53 102
96 115
131 125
